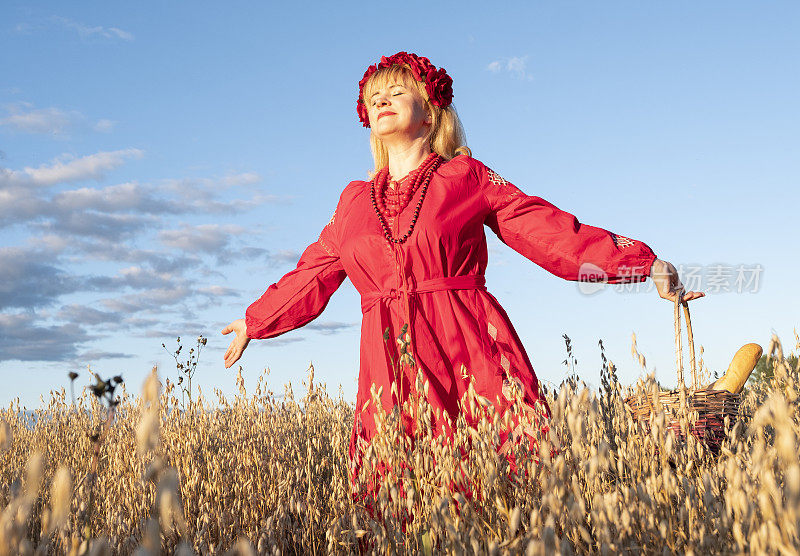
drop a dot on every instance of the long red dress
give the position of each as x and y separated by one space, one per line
435 283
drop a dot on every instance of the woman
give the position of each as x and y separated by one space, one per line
412 242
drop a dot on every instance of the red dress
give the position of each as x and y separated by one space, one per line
435 283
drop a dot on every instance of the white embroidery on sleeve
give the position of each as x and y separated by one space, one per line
505 186
621 241
495 178
321 240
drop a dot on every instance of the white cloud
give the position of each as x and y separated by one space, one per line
246 178
68 170
187 191
97 224
124 35
97 354
209 238
123 197
52 121
87 315
87 31
103 126
151 300
86 211
285 256
188 187
218 291
53 244
18 204
331 327
516 65
24 118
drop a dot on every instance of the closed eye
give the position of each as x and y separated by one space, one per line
394 94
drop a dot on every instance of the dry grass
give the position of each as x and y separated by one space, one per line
258 474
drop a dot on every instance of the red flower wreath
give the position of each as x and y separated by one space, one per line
438 84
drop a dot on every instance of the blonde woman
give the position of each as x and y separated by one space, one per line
412 242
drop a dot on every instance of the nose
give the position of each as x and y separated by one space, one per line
381 101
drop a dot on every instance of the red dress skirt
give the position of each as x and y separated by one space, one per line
434 282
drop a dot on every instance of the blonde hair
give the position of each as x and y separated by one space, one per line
446 136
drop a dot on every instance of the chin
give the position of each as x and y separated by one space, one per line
382 131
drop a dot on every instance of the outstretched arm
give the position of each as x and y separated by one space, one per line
296 299
555 239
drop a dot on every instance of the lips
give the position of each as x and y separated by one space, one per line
382 114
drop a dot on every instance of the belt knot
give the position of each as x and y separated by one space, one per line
465 282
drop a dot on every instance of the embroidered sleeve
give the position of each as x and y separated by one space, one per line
555 239
495 178
301 295
324 236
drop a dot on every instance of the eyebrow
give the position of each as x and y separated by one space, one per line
389 87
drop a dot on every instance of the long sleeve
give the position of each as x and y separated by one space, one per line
556 240
302 294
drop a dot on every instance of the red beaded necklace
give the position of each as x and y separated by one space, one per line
393 204
392 201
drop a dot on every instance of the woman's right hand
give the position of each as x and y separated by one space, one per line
238 344
668 282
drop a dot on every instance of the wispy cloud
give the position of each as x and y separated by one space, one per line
282 341
53 121
330 327
516 65
103 126
88 357
98 225
150 300
68 169
285 256
23 117
87 315
129 196
135 277
188 191
209 238
88 31
219 291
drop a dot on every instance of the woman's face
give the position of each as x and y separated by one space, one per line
397 110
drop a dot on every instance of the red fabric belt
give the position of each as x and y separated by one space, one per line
468 282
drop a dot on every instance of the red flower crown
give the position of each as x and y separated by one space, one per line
438 84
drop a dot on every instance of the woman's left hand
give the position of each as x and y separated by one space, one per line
668 283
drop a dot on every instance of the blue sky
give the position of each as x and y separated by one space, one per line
162 163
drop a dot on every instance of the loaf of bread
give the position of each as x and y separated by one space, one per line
739 370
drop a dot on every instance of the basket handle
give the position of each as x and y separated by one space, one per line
678 348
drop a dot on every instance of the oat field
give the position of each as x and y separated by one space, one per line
267 474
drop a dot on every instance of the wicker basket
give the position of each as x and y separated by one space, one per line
706 410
